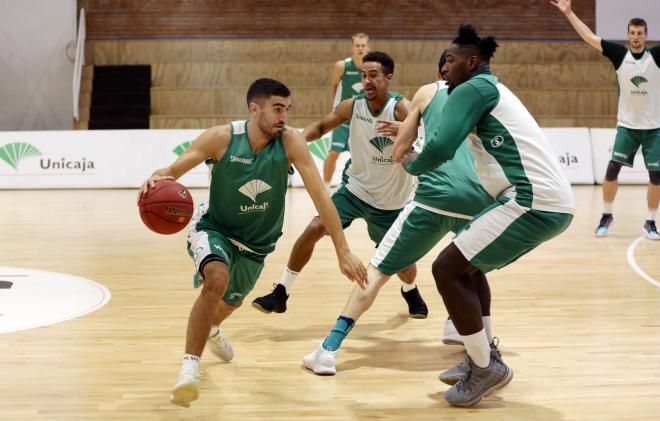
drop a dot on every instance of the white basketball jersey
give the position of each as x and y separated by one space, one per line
639 92
371 174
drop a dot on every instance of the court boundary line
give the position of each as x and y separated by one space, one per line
630 254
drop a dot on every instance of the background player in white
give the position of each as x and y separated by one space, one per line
345 83
638 118
374 188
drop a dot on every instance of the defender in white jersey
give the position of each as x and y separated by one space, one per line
638 118
516 166
374 187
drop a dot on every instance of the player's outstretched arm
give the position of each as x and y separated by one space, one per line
329 121
583 30
211 143
407 132
298 154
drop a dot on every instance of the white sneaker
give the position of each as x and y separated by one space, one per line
220 345
185 390
451 336
321 362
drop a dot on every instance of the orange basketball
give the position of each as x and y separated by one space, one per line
167 207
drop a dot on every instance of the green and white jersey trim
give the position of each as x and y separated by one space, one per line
639 92
513 157
372 175
442 212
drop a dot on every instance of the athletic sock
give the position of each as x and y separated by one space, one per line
190 364
408 287
288 278
488 327
338 333
607 207
478 348
651 215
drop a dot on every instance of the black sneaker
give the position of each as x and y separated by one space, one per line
416 305
650 230
273 302
605 222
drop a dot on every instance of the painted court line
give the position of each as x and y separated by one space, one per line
633 264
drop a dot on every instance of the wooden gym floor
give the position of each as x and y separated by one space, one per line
579 327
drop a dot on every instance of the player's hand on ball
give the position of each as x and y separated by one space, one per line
387 127
149 183
353 269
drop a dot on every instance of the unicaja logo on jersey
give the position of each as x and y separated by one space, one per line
252 189
497 141
13 153
381 142
638 80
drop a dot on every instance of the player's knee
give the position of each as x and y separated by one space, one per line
332 156
216 279
441 274
654 176
315 230
613 169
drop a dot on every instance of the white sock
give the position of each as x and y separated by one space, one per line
478 348
652 212
214 330
190 364
408 287
488 327
607 207
288 278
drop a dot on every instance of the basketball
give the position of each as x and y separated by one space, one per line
167 207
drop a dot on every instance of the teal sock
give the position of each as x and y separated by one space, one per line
336 336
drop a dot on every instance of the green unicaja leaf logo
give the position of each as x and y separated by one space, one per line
381 143
182 147
13 153
638 80
320 148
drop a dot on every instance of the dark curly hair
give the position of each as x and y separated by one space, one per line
468 37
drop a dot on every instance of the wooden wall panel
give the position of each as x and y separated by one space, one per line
529 19
299 50
217 75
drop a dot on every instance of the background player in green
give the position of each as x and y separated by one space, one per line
373 188
515 164
345 83
445 200
638 118
233 232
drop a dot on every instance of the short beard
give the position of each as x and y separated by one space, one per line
267 130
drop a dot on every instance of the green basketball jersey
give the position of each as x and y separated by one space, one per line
246 198
453 188
350 84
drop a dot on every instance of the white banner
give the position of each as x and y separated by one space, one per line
602 141
572 147
91 159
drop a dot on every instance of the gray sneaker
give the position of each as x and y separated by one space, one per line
479 382
454 374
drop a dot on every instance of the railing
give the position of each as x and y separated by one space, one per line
78 66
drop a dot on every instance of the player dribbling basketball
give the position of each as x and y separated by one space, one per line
238 226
